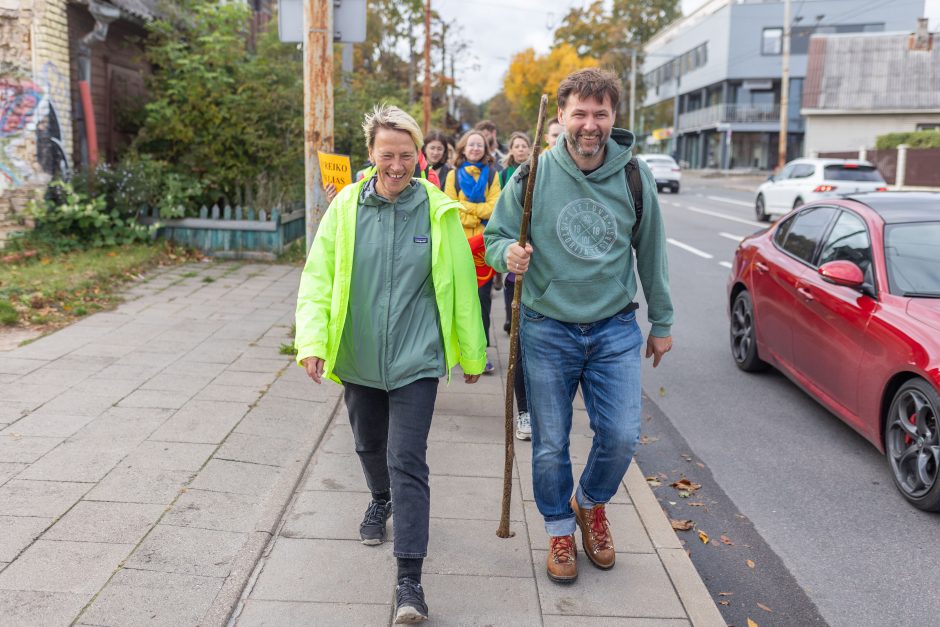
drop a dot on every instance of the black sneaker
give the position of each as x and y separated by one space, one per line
372 529
410 605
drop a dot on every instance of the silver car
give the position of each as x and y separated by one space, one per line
805 180
665 170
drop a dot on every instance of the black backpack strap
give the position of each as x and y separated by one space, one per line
635 183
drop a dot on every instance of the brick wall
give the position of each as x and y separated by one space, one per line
36 129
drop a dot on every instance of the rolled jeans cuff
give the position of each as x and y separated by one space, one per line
561 527
584 502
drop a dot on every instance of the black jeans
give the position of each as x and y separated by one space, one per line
391 433
486 304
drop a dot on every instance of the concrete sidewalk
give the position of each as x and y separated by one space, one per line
163 464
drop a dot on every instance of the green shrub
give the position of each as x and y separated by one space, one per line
141 181
68 220
8 314
914 139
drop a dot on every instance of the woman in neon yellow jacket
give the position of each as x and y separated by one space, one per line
387 305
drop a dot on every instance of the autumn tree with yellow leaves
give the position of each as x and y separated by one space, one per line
530 75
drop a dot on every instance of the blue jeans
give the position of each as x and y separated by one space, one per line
604 358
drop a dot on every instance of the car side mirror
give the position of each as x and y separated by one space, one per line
843 273
771 178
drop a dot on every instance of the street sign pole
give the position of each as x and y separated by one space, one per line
318 105
784 89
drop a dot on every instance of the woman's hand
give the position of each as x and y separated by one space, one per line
471 378
330 194
314 368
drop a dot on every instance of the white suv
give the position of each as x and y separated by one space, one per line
804 180
665 170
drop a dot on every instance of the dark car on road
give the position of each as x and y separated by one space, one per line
843 297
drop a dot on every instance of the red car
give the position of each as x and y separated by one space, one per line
843 297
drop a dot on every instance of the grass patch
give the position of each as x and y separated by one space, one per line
52 290
208 279
289 349
189 275
294 253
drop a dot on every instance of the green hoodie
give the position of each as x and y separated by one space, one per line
582 268
394 354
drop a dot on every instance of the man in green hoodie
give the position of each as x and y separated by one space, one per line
578 320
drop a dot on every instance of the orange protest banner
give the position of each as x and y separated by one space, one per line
335 169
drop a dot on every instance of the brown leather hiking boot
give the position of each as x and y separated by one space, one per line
562 554
595 535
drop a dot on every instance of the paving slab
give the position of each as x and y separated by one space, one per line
141 597
215 392
341 473
9 470
50 425
466 459
187 550
205 422
45 499
132 484
74 567
472 498
281 613
288 575
18 532
169 455
257 449
236 477
221 511
18 448
115 523
455 548
34 608
493 601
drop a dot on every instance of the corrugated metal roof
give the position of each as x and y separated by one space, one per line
871 72
145 10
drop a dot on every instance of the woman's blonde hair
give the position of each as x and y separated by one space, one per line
508 161
391 117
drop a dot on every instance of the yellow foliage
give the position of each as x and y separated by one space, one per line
530 76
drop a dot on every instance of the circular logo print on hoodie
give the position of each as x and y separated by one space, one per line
586 228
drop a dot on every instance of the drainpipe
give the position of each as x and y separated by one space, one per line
104 14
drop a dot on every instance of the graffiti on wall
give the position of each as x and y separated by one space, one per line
32 147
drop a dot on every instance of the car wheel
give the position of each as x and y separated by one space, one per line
743 337
798 203
675 188
912 444
759 209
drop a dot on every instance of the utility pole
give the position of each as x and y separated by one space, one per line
318 105
784 88
427 68
633 88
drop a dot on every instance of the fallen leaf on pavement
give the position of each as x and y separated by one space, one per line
685 485
727 540
700 465
751 623
683 495
750 563
653 482
681 525
703 537
765 608
686 457
696 504
645 439
714 542
662 391
725 594
724 602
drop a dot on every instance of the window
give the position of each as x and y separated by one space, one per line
807 230
852 172
849 241
912 252
771 41
786 173
929 126
781 235
803 171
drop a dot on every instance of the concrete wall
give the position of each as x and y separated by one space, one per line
35 109
833 133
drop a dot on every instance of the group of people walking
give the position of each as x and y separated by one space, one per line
387 308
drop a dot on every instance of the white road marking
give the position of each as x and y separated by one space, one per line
726 264
725 216
694 251
731 201
731 236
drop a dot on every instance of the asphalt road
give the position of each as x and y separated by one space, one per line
809 502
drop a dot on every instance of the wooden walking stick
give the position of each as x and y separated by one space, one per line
503 531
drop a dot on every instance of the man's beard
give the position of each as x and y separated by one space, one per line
573 142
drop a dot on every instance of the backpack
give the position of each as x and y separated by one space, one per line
634 182
491 174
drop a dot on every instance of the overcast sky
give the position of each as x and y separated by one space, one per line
498 29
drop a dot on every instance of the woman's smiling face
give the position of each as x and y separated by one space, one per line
475 148
434 151
394 154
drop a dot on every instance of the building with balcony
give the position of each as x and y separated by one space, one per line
716 74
